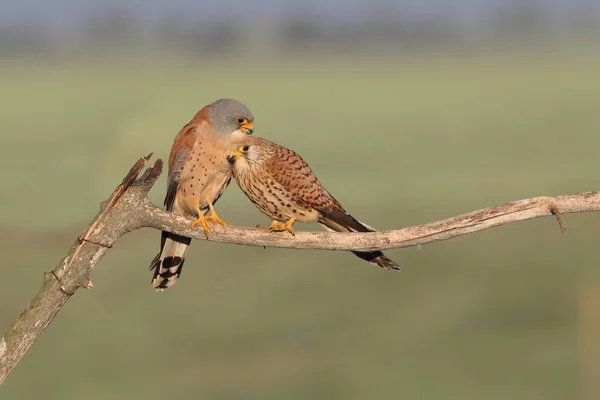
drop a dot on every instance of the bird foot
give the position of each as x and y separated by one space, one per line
216 220
281 227
202 220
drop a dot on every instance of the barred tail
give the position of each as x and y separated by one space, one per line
168 263
340 221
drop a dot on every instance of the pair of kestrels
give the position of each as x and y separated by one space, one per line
216 146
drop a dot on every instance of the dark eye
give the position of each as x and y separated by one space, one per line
241 121
245 148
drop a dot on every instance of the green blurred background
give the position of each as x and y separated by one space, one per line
400 138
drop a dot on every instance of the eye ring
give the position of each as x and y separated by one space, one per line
245 148
241 121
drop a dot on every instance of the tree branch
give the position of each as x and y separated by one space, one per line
128 209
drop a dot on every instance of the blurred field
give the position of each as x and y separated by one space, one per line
399 141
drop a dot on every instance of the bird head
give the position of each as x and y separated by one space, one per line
229 116
237 153
249 152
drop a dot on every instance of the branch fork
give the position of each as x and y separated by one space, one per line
128 209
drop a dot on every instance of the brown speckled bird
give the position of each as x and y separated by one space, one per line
198 175
283 187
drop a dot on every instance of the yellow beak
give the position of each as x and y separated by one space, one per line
247 128
235 154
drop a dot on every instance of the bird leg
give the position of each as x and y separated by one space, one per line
214 217
201 220
204 220
268 227
277 226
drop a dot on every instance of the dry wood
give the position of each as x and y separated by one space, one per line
128 209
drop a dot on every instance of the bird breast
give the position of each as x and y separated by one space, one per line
269 196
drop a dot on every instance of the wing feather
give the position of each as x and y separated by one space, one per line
289 170
183 145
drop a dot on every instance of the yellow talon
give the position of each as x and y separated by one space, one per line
216 220
214 217
202 220
287 226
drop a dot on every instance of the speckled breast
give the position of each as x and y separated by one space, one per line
272 199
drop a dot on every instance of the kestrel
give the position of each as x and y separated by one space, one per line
198 175
283 187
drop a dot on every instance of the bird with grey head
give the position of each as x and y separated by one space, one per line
198 175
229 115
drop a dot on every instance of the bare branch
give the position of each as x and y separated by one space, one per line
441 230
128 209
73 271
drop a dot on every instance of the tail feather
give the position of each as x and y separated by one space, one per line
339 221
167 264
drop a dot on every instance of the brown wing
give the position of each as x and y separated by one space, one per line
293 173
168 263
183 144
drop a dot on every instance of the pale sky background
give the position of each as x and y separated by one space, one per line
73 12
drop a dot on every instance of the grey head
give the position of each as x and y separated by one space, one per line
229 115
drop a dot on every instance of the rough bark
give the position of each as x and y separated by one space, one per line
128 209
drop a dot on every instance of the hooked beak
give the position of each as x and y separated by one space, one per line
233 156
247 128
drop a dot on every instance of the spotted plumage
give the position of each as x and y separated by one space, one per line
283 187
198 175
